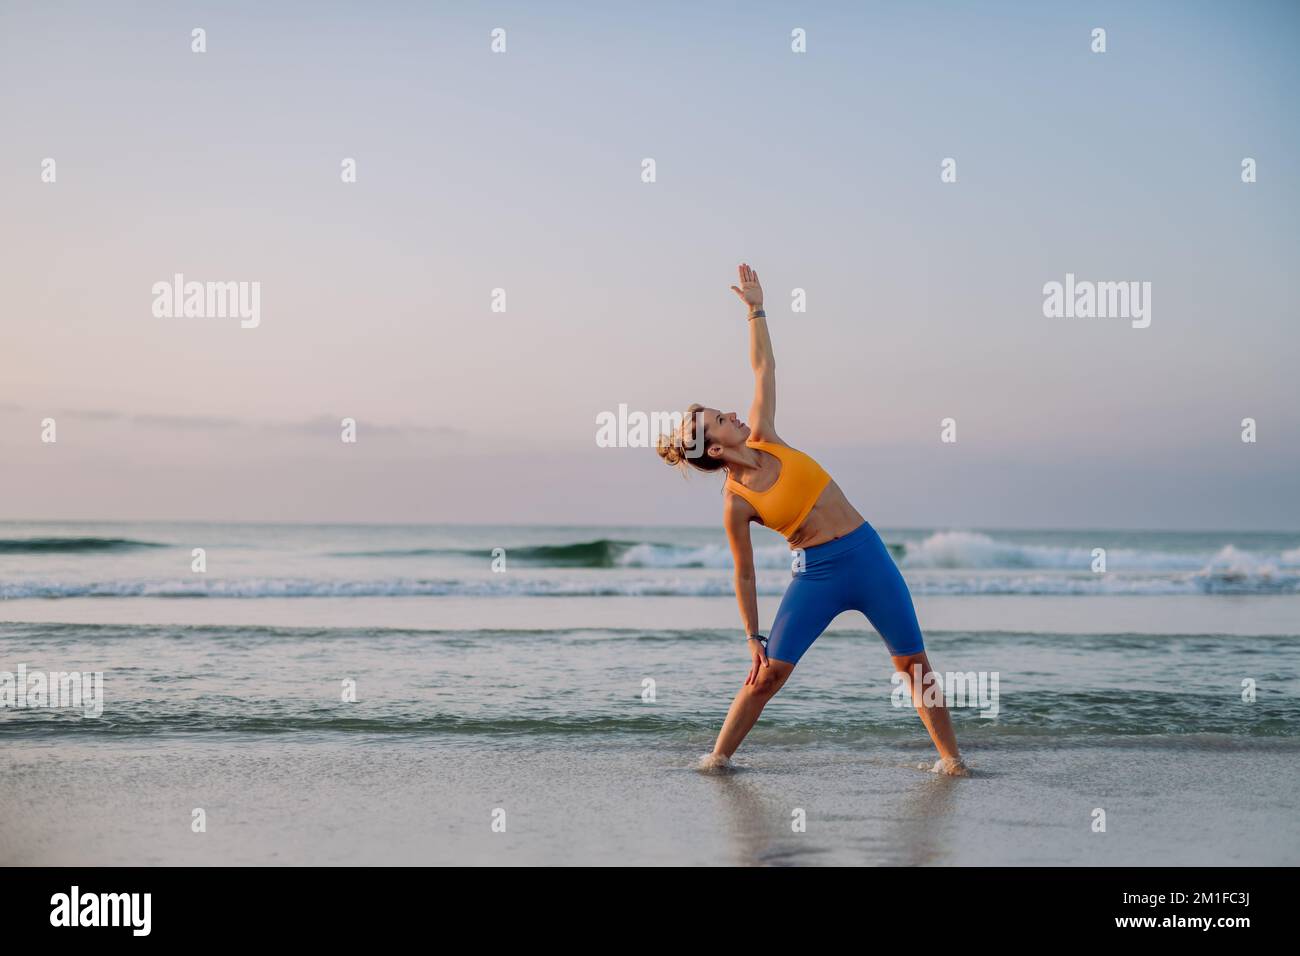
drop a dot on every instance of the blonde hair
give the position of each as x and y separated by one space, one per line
678 447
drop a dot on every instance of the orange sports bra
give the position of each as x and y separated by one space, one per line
797 488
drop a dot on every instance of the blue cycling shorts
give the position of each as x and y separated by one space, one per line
852 573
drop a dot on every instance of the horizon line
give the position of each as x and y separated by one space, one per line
669 527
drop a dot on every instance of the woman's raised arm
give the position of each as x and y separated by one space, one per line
762 415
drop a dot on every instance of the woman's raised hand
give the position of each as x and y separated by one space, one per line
750 292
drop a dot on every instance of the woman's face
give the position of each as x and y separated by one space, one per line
723 428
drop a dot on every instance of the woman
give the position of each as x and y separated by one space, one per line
840 562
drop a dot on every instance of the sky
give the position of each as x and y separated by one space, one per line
523 170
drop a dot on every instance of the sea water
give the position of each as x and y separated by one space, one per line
339 694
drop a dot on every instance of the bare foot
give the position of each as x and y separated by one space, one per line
715 763
952 766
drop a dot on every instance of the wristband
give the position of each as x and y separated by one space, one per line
757 314
757 637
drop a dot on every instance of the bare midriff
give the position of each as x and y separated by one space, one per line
832 517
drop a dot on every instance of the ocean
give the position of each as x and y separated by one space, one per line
370 694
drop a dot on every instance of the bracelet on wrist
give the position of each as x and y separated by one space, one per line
757 314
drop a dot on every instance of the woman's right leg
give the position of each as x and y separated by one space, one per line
749 703
808 606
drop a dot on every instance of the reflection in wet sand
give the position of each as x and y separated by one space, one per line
760 800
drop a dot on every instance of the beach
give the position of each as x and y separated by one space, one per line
381 695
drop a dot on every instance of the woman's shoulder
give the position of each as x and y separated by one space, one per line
765 438
735 506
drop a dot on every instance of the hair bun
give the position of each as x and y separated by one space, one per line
670 449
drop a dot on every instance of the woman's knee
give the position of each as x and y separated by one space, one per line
771 678
914 668
921 680
909 663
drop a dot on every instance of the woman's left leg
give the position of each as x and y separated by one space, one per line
882 595
934 714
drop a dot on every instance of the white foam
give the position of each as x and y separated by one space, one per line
715 763
648 555
969 549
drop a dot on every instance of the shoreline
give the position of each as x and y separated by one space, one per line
1218 615
369 803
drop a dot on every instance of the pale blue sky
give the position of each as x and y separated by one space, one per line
522 171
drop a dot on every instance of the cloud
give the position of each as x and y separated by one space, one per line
323 423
